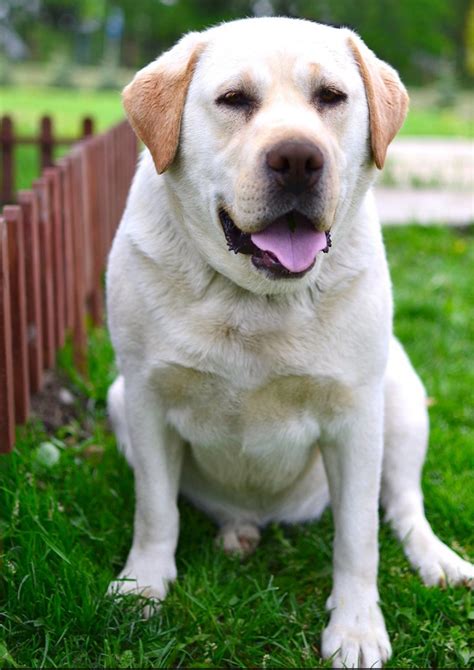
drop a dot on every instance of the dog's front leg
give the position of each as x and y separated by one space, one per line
352 450
157 457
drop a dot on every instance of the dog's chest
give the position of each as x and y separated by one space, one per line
247 437
249 395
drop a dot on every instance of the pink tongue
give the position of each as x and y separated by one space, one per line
295 250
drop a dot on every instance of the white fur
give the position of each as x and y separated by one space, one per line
258 397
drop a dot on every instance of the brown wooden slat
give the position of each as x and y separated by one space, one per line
85 209
114 182
123 142
29 205
64 165
46 141
94 194
80 288
7 408
109 189
122 175
87 126
132 155
118 173
135 150
40 187
7 142
103 212
16 259
53 180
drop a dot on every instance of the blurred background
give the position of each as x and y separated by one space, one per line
86 41
70 58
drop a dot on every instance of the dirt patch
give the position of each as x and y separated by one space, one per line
57 405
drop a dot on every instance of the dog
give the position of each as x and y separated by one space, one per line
250 308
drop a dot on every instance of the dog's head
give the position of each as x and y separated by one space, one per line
267 131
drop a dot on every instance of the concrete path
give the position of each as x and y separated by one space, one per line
428 180
424 206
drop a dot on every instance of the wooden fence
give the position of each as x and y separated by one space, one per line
53 247
46 141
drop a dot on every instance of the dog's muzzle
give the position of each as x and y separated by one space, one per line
286 248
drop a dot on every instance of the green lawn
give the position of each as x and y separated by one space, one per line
67 107
67 526
427 118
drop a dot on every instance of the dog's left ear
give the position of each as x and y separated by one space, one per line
154 100
386 96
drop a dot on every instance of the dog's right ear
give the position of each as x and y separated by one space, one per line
154 100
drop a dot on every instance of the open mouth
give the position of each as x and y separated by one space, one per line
287 247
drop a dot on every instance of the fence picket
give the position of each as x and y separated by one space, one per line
68 255
95 195
46 142
52 178
78 239
7 408
29 205
47 280
7 139
16 259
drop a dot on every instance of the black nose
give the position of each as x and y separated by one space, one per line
296 165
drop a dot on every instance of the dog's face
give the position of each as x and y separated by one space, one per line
267 130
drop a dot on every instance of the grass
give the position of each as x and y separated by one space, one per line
427 118
67 107
67 526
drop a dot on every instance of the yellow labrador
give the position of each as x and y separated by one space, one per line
250 308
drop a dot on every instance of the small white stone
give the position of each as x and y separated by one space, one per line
65 397
48 454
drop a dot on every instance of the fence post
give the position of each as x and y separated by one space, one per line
52 178
29 205
7 139
93 194
47 283
7 410
16 260
64 165
46 142
80 280
87 126
85 209
108 190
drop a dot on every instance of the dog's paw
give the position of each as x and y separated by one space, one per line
356 636
439 565
145 576
240 539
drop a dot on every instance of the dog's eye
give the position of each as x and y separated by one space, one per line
330 97
237 100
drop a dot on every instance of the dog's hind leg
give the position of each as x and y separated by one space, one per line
118 418
406 440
